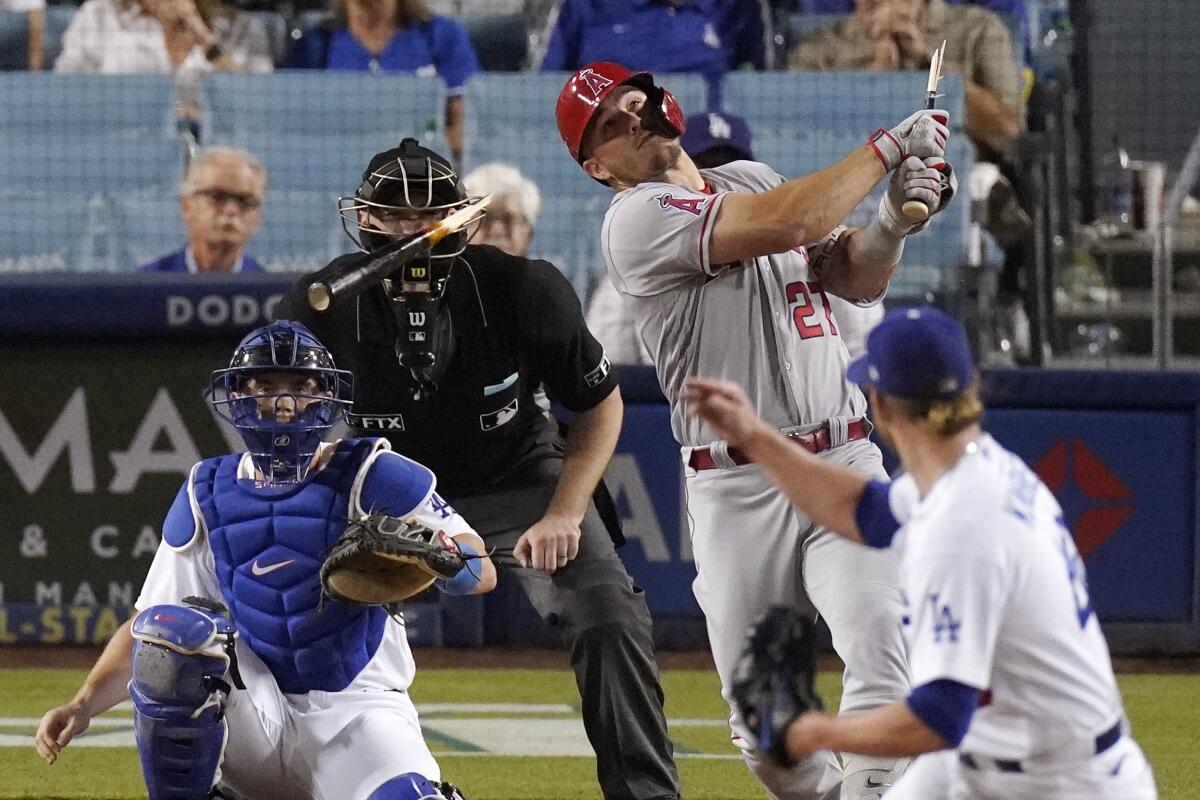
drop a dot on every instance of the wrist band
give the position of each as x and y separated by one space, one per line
467 578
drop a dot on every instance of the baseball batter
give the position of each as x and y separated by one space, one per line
294 694
1006 657
729 272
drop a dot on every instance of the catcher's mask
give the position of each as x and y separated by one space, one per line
282 427
402 183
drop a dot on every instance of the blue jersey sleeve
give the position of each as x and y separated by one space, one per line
453 53
396 485
874 516
946 707
179 528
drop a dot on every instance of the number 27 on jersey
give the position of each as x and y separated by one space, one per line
805 314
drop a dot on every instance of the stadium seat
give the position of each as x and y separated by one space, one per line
300 232
104 163
501 41
70 108
150 225
29 244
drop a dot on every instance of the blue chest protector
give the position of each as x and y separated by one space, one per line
268 546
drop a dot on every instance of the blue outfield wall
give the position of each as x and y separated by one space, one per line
1118 449
102 417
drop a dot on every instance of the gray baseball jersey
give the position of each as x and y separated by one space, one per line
766 323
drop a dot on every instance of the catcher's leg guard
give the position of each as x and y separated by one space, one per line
413 786
178 689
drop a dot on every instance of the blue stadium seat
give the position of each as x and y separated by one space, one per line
31 242
71 109
300 232
104 163
150 225
501 41
568 235
315 131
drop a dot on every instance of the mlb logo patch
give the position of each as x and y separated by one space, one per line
597 376
501 416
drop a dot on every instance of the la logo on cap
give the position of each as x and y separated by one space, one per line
719 127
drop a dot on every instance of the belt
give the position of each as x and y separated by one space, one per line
1102 743
814 442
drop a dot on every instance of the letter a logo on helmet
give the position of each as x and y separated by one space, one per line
597 83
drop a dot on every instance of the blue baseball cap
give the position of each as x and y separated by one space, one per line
716 129
915 352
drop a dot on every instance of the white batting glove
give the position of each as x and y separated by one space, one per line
914 179
923 135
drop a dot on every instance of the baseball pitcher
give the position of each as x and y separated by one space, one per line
729 271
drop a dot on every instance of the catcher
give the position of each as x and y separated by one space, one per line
301 691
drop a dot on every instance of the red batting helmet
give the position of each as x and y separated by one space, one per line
586 90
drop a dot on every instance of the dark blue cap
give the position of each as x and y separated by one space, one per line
915 352
716 129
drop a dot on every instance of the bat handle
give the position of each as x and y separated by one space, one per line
913 210
321 294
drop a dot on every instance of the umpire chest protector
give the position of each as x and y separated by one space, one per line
268 546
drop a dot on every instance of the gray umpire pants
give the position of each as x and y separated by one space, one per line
603 619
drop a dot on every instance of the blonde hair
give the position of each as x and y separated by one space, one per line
408 12
942 416
209 155
505 181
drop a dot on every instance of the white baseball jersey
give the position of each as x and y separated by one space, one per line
766 324
997 599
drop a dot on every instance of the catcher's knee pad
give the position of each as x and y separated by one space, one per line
414 786
180 658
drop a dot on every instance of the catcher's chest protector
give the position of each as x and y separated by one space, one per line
268 549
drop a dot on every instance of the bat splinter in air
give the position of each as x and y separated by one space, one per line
915 210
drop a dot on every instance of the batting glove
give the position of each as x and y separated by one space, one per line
931 182
923 135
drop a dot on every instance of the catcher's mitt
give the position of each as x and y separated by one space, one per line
773 680
381 559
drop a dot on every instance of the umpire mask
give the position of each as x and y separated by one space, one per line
404 191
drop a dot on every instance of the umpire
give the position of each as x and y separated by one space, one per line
449 369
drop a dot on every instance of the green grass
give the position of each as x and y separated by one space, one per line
1161 707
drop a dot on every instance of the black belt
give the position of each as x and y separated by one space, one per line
1103 742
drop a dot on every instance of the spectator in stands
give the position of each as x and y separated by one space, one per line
111 37
1012 11
901 34
512 215
220 199
708 37
36 11
394 36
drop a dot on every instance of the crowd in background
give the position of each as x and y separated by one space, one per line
436 37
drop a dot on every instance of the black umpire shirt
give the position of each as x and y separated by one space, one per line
517 325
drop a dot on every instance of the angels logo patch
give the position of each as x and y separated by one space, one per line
688 204
597 83
501 416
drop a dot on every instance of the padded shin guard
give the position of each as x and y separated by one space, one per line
179 691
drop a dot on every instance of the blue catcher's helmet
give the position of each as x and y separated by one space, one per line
281 391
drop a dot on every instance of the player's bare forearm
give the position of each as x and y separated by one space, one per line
891 731
826 493
852 273
591 440
108 682
793 213
484 567
990 122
